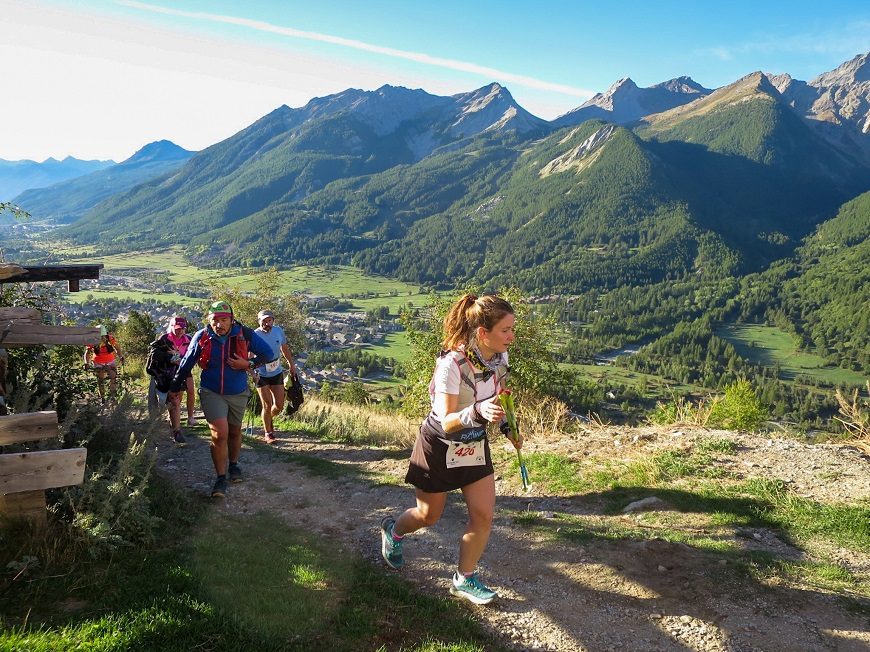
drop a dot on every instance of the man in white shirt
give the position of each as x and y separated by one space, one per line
270 377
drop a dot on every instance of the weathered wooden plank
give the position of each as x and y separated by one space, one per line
8 270
41 470
14 313
26 504
15 334
28 426
54 273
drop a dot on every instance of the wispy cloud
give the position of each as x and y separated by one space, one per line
851 39
419 57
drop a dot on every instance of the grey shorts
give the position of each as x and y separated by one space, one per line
224 406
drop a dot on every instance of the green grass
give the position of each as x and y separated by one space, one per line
233 583
692 481
656 386
770 346
337 281
132 295
169 260
714 539
396 345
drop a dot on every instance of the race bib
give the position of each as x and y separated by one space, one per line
465 453
273 366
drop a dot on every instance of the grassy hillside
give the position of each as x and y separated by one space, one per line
822 291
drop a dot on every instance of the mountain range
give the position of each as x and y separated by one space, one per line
638 185
17 176
66 201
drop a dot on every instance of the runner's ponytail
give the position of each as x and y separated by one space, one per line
468 314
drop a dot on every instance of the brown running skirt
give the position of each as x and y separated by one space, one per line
428 468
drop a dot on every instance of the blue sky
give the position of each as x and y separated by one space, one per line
101 78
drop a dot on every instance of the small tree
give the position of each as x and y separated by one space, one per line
739 409
136 334
354 393
266 294
532 365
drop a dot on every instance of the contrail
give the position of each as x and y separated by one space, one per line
419 57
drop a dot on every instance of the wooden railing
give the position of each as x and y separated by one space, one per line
24 476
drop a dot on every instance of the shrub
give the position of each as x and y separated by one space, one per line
739 409
531 360
681 411
110 509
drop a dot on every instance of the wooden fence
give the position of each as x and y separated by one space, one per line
24 476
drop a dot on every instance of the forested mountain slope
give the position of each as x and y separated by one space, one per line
291 153
471 188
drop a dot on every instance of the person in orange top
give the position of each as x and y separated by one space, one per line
103 358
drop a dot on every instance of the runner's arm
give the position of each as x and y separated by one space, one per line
455 420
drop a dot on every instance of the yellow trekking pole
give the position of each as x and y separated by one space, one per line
510 412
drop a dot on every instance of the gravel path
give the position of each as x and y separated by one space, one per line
597 594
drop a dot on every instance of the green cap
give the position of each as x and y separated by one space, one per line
220 309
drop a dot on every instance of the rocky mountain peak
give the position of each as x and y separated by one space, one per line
683 84
854 71
624 85
490 108
625 101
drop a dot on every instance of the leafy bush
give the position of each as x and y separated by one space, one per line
739 409
110 509
533 367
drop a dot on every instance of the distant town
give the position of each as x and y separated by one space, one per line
326 329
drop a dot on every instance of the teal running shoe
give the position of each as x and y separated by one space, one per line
391 550
471 588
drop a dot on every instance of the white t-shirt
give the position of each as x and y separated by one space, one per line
275 337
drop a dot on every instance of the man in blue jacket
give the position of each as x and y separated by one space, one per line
226 351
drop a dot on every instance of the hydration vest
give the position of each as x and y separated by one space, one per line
469 375
238 345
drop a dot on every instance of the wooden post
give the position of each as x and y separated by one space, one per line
24 477
30 426
27 504
4 362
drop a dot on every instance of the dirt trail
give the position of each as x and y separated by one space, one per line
599 594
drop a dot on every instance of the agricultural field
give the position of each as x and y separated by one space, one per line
770 346
132 296
654 387
396 345
335 281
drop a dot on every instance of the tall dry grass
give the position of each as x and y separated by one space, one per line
539 417
855 417
357 424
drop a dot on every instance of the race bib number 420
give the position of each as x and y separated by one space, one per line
465 454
